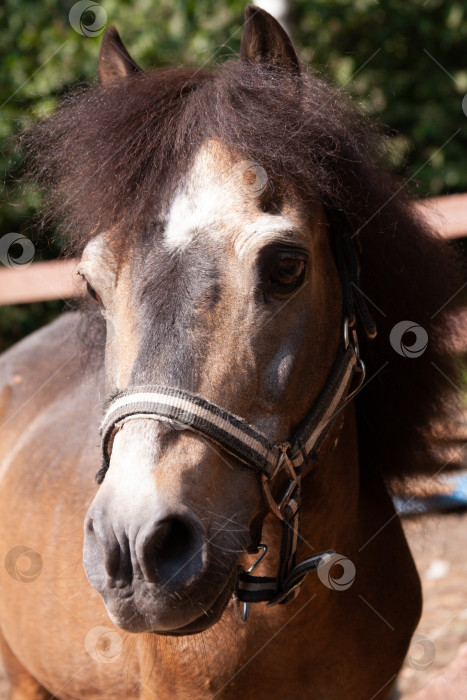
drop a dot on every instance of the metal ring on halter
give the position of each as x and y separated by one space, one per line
348 323
351 338
257 562
362 370
346 333
277 506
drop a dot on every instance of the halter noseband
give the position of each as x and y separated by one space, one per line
280 466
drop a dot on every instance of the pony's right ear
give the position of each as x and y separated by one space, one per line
114 60
265 41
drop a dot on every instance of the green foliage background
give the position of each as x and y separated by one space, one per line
404 60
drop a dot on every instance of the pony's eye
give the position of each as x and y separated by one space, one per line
283 274
287 272
281 271
92 292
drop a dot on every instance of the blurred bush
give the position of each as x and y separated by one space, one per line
403 60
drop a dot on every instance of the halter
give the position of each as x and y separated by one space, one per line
280 466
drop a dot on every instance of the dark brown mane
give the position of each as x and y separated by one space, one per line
110 153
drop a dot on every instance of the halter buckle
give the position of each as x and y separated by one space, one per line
264 551
351 339
278 507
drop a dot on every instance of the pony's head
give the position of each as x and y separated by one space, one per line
206 207
233 272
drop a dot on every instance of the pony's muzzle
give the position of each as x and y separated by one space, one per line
169 551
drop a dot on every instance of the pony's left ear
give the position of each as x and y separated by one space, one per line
114 60
265 41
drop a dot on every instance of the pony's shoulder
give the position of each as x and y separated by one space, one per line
45 364
44 347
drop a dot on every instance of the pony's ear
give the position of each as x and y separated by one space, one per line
114 60
265 41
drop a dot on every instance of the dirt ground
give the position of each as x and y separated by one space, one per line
438 543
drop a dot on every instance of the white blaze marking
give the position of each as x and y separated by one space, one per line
215 201
131 470
192 210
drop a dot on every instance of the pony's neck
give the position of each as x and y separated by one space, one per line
330 495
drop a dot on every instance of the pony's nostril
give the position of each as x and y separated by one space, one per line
173 538
98 533
112 560
171 552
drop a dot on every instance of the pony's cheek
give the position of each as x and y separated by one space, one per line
120 354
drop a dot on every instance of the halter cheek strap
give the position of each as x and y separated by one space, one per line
278 464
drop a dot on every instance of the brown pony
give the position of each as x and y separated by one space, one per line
217 215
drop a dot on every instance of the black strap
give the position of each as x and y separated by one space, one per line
260 589
349 272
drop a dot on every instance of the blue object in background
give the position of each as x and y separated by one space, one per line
436 503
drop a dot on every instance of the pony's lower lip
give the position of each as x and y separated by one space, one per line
208 619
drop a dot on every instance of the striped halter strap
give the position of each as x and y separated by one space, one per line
280 466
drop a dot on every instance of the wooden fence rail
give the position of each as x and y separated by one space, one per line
447 215
43 281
